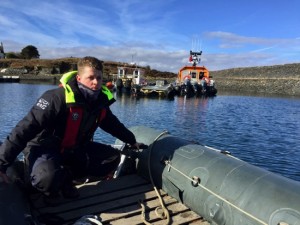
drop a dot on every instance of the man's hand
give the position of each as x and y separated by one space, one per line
4 178
138 145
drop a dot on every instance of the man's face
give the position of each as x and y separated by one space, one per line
91 78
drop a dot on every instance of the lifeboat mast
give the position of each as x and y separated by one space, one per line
195 57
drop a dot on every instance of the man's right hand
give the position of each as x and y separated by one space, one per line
4 178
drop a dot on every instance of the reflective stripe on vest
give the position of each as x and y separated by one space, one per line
107 92
70 98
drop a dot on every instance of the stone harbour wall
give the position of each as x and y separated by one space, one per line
279 79
288 86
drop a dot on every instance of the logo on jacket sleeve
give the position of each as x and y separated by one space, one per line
42 103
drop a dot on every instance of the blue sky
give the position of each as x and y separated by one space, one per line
158 33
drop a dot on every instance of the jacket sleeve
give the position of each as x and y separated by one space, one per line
41 116
112 125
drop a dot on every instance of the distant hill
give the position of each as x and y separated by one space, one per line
46 67
60 66
277 79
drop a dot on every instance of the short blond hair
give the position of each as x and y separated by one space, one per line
91 62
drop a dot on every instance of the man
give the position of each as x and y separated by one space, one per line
56 134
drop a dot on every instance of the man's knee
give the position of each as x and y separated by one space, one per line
47 175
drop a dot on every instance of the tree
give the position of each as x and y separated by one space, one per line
30 52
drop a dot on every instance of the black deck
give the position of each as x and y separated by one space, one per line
116 202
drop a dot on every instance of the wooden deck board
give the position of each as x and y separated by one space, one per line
117 202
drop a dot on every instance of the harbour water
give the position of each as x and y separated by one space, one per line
263 131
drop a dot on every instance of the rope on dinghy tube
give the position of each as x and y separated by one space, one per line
196 182
161 211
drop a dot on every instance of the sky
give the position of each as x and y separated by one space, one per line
156 33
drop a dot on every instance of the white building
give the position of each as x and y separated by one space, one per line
134 74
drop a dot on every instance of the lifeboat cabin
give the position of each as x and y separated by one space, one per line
194 73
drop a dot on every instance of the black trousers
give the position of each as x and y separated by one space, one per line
49 170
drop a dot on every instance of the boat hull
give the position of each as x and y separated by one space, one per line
219 187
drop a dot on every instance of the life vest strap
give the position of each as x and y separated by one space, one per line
102 115
72 127
73 124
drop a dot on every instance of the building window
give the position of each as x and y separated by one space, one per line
201 75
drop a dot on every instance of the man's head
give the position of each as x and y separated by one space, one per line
90 72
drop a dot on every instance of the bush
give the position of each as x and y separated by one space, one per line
12 55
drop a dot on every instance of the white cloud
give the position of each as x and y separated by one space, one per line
158 33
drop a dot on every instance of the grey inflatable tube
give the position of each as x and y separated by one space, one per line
219 187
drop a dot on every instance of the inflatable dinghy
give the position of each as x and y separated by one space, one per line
217 186
213 184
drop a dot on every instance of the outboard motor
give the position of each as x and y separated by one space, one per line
127 86
197 89
119 84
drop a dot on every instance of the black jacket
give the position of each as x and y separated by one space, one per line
45 124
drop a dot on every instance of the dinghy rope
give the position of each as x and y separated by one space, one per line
196 182
161 211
